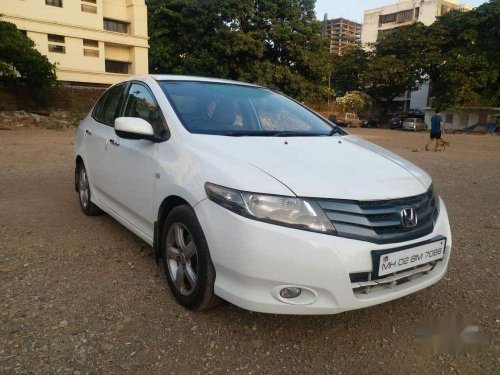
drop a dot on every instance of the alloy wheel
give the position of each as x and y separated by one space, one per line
182 258
83 187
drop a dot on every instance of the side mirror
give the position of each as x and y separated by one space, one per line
134 128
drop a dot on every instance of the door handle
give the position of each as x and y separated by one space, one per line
89 132
114 142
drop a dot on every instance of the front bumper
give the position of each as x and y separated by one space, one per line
254 260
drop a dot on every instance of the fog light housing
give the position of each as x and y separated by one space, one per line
290 292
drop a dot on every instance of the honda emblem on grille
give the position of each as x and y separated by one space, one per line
409 217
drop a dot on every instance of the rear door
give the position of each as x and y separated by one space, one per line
97 134
132 161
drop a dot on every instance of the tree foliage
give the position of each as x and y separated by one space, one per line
386 70
459 53
353 101
348 70
20 61
464 57
273 43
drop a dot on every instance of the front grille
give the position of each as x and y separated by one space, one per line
379 221
362 283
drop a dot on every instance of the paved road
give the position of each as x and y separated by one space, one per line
83 295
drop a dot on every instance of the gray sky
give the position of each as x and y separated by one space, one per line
353 9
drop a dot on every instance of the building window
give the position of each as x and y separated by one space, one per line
117 26
399 17
387 18
54 3
89 8
55 38
90 1
90 52
91 48
113 66
406 15
55 48
91 43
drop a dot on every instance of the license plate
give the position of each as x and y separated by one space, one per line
390 261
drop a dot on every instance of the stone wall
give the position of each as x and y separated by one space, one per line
71 99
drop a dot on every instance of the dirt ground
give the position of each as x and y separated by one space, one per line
83 295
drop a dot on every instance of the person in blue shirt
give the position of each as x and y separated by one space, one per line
436 129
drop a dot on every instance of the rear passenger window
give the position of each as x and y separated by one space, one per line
108 107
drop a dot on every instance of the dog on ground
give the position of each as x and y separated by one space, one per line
443 143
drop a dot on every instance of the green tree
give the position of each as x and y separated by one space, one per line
386 78
464 57
20 61
348 70
397 64
273 43
459 53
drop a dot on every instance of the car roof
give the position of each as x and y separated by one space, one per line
171 77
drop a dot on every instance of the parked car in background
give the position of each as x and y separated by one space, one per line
350 120
396 122
247 195
370 123
414 124
416 113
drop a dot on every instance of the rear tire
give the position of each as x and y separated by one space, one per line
84 195
188 266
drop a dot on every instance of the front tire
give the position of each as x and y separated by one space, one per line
189 270
84 195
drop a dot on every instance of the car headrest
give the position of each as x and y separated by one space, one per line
224 113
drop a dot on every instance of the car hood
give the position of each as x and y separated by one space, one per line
342 167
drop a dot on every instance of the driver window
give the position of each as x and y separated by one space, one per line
107 109
140 103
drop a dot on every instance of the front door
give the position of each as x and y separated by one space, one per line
97 134
133 162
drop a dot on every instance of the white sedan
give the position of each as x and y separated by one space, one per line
414 124
248 196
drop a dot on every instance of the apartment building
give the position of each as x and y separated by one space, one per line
380 21
341 33
91 41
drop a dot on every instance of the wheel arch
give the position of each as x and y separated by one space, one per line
166 206
78 161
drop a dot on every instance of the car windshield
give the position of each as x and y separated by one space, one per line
240 110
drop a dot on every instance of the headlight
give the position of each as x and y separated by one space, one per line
280 210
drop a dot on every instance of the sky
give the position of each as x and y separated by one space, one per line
353 9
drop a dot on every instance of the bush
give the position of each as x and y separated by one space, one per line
20 61
353 102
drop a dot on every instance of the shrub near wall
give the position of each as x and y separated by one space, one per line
77 100
7 101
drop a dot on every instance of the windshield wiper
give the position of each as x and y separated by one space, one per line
278 133
335 130
304 134
250 133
